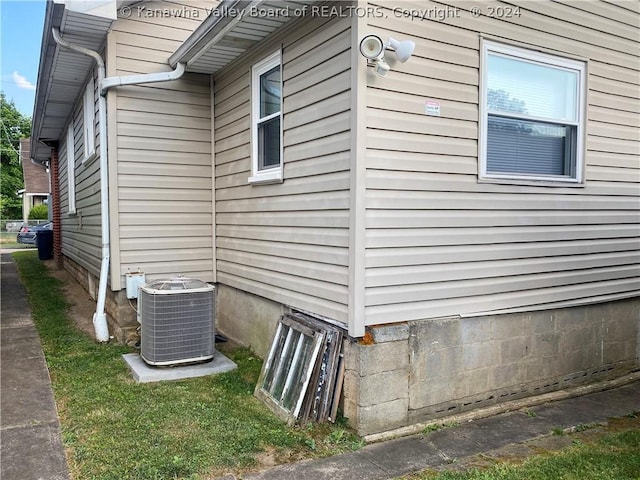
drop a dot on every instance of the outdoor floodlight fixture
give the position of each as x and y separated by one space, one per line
403 50
372 48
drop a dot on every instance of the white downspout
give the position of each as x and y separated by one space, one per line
99 317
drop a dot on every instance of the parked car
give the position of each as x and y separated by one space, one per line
27 233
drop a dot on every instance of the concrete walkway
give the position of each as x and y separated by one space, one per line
31 447
399 457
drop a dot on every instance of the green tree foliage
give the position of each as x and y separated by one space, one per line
39 212
14 126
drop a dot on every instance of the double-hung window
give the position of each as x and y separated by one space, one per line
531 116
89 122
266 120
71 169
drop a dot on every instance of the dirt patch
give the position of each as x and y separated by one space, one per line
82 306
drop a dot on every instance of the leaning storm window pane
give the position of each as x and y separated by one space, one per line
521 87
270 92
529 148
269 143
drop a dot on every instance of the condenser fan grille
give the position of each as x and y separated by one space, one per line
177 327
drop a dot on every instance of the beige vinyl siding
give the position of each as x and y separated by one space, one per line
81 234
289 241
162 183
438 242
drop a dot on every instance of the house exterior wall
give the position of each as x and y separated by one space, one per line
160 173
287 242
440 243
479 293
80 231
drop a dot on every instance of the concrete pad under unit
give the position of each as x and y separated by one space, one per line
143 373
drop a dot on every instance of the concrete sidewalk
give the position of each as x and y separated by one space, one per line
29 428
390 459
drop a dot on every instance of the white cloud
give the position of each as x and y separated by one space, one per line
22 82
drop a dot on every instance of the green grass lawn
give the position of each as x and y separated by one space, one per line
114 428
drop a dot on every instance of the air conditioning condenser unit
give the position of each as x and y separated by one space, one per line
177 321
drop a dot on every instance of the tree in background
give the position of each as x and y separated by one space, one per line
14 126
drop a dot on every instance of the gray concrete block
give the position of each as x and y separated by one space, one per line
516 349
383 387
472 383
539 323
538 369
507 374
570 318
426 394
390 333
625 311
437 333
479 355
504 327
144 373
545 344
442 363
474 330
383 416
614 352
381 357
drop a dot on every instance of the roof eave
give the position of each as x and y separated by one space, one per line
52 19
46 126
210 29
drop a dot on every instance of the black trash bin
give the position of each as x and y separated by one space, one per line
44 242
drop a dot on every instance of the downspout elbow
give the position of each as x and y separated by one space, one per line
85 51
142 78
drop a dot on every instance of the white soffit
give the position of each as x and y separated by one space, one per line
63 73
232 29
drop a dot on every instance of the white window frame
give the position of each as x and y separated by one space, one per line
271 174
71 169
517 53
89 122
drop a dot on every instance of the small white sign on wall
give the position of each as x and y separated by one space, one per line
431 107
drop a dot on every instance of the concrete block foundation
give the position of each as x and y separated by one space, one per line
247 319
422 370
121 317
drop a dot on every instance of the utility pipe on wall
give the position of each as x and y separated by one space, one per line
100 317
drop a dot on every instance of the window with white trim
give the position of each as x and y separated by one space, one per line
89 122
531 115
266 120
71 170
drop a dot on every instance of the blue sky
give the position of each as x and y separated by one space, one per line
21 27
